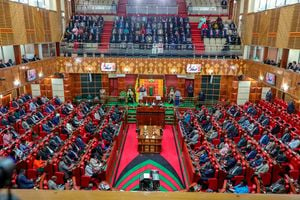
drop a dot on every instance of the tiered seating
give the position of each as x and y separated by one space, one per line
60 132
247 135
96 6
220 36
84 29
142 32
207 7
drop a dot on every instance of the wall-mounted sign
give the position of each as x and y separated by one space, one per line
193 68
108 67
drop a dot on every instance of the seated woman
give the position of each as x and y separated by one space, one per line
130 96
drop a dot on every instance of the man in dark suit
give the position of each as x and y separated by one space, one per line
23 182
235 171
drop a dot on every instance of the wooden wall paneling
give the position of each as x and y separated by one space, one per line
197 85
181 86
46 87
25 24
55 23
6 32
150 65
39 25
256 70
273 27
263 23
247 31
18 23
294 36
121 85
284 28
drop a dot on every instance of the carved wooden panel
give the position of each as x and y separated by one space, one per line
150 66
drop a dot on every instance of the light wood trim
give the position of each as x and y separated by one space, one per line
98 195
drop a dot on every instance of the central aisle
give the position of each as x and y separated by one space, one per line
132 164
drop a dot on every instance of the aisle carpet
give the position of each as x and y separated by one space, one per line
132 164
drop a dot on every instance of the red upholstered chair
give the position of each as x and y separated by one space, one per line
85 180
266 178
213 184
32 174
237 179
60 177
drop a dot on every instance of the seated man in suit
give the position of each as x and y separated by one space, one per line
23 182
242 142
264 140
90 128
57 100
46 128
291 108
65 167
24 59
25 125
286 136
294 143
12 119
79 142
56 119
262 168
278 187
52 185
235 171
251 155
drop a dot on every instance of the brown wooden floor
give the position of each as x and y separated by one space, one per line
98 195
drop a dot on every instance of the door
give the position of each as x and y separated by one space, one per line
187 83
113 87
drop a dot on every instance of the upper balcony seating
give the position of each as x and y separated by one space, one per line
219 35
142 32
96 6
84 29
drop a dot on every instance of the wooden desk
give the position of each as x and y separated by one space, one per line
150 115
149 139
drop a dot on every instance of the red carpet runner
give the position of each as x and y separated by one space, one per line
132 165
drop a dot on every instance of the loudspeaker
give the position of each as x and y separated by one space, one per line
240 77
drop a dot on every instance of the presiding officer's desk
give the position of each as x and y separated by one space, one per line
150 123
150 115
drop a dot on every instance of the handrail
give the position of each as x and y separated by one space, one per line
187 49
151 9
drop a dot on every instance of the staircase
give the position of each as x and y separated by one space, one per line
182 9
122 8
169 116
131 117
196 38
105 37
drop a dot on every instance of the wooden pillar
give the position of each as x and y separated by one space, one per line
266 52
284 58
18 56
36 50
230 8
73 6
57 45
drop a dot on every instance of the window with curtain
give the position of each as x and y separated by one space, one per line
291 2
262 5
280 3
45 4
271 4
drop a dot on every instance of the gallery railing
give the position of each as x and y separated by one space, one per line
138 49
94 9
152 9
207 10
